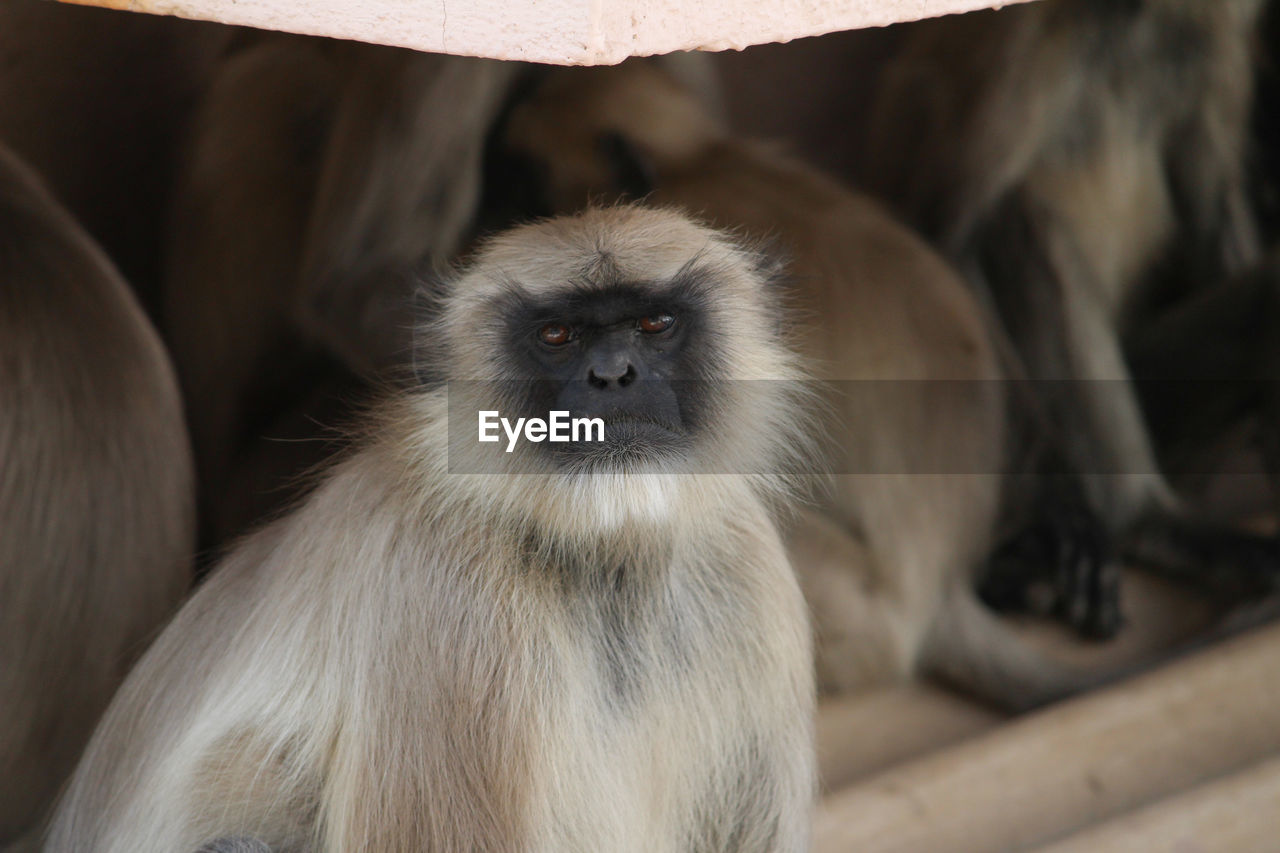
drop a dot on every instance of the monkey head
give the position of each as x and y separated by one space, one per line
661 338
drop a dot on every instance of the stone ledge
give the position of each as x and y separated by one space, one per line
563 32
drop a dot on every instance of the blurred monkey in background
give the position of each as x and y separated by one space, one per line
319 177
1084 163
96 491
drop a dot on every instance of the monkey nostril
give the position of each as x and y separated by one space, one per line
608 378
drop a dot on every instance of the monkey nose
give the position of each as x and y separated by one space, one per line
615 373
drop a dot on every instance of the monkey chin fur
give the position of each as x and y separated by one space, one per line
610 501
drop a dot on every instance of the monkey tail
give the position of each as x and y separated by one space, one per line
972 649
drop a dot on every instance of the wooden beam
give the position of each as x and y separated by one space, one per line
1073 764
1239 813
864 734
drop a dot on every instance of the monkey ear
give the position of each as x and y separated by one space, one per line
773 264
632 171
426 356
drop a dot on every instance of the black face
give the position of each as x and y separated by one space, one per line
634 357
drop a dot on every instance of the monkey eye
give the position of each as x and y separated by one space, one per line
554 334
656 323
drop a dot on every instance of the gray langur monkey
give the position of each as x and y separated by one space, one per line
919 431
96 491
1083 162
317 177
583 646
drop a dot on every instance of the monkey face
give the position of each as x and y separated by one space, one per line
659 330
628 357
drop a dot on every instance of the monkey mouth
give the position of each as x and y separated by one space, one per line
632 428
627 441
